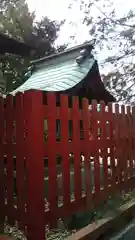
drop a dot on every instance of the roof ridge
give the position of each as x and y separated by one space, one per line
88 44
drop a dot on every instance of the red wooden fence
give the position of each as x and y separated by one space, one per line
102 137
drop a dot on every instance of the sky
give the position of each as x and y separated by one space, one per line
58 10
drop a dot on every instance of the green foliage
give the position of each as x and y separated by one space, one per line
116 35
17 21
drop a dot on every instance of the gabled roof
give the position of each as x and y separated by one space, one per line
74 72
66 53
13 46
59 72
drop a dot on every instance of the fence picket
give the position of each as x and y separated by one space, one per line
113 163
76 148
133 139
52 168
2 182
87 154
10 169
65 152
130 146
117 144
20 154
104 150
34 122
94 123
124 146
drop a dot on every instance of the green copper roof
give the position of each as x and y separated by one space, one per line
60 72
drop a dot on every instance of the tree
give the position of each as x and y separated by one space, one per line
17 21
43 38
115 41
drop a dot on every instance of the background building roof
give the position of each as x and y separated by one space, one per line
13 46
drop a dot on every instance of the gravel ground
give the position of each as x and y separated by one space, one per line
60 233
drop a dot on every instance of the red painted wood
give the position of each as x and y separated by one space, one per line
120 162
20 154
117 144
2 183
58 147
87 153
33 114
65 152
52 168
10 176
120 149
124 147
111 117
96 152
133 138
76 148
5 238
129 120
104 146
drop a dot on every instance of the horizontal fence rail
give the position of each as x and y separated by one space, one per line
61 156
